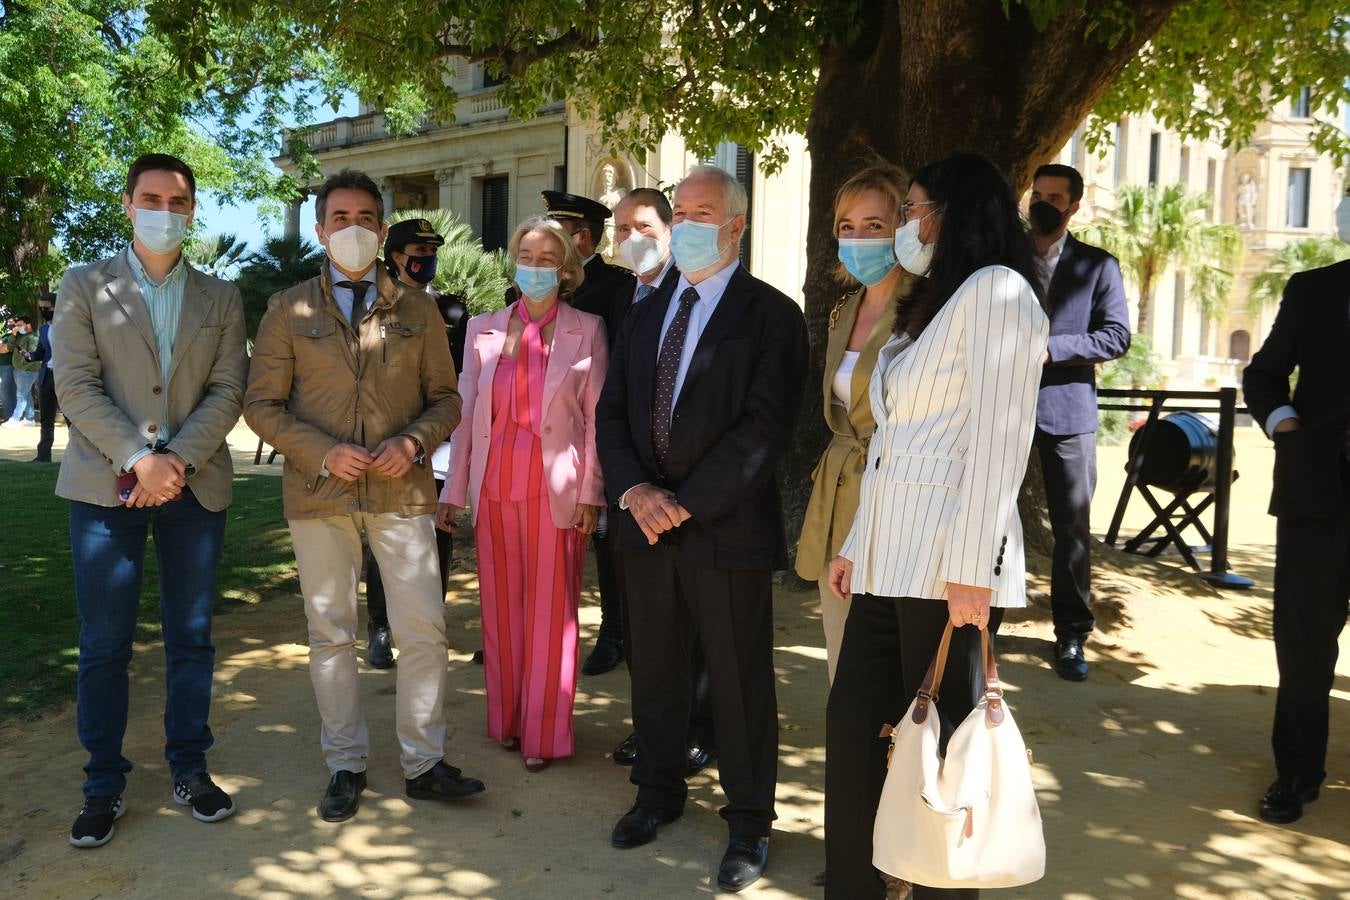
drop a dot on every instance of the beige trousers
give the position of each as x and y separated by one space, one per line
328 554
833 613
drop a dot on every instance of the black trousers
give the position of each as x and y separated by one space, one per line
1312 589
376 605
610 581
1069 466
887 647
728 614
46 395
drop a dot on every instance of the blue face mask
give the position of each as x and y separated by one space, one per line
867 259
537 282
694 244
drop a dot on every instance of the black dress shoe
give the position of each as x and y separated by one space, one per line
442 782
343 796
638 826
380 653
1069 661
607 654
743 863
696 758
478 657
1283 802
626 753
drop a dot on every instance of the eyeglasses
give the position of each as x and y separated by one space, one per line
907 208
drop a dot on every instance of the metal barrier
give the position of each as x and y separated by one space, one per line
1217 486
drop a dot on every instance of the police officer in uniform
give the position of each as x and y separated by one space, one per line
607 292
410 256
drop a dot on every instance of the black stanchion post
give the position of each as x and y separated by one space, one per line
1223 493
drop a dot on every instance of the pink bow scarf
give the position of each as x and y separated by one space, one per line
527 401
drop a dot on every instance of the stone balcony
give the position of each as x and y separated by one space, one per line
471 109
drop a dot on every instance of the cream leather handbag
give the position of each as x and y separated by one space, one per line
969 820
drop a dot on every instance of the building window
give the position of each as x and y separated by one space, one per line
1296 210
559 178
1154 156
1184 176
740 162
1240 346
495 216
488 79
1301 106
1178 315
1118 141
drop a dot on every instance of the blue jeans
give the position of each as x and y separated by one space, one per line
108 545
6 391
24 410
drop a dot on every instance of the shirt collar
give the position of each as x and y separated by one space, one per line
138 269
714 285
587 261
660 276
335 276
1057 247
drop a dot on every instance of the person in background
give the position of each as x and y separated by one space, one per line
698 409
1310 498
642 221
936 539
24 341
7 389
410 258
607 292
352 381
524 458
149 359
866 216
1089 324
46 383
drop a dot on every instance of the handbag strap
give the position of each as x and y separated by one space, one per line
932 680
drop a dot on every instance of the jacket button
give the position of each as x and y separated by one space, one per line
152 428
877 464
314 332
157 390
840 482
1000 558
998 570
309 486
548 429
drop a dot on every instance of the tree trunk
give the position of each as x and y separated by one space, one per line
27 209
922 79
1144 321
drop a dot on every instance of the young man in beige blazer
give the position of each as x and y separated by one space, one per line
353 382
149 360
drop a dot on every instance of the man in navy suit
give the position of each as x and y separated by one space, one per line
1089 324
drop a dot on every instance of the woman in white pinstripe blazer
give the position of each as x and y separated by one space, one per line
937 535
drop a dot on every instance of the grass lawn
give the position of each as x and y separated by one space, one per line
37 669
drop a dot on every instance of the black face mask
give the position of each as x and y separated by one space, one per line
47 314
421 269
1045 218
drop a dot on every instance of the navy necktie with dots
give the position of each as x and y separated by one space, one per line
667 368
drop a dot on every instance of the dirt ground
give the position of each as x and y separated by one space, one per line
1148 774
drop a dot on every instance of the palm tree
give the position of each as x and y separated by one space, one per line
215 254
281 263
1154 229
1289 260
463 267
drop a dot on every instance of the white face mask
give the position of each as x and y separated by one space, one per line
159 230
1343 219
353 248
910 251
641 253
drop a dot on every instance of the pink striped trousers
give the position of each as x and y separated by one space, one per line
529 575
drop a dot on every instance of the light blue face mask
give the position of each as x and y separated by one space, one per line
536 282
867 259
694 244
160 231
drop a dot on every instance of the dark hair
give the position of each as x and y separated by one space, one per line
1058 170
980 226
48 296
349 179
27 320
653 198
153 162
597 229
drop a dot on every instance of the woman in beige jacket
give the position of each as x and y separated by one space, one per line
866 215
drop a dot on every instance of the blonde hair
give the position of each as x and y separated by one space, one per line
570 272
883 178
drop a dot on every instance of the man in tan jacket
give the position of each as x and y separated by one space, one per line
149 360
352 381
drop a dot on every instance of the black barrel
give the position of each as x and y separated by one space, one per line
1182 454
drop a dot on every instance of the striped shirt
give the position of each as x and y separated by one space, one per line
164 302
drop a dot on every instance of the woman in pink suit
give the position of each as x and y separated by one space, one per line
523 457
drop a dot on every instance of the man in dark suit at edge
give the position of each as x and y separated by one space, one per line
606 292
699 405
1089 324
